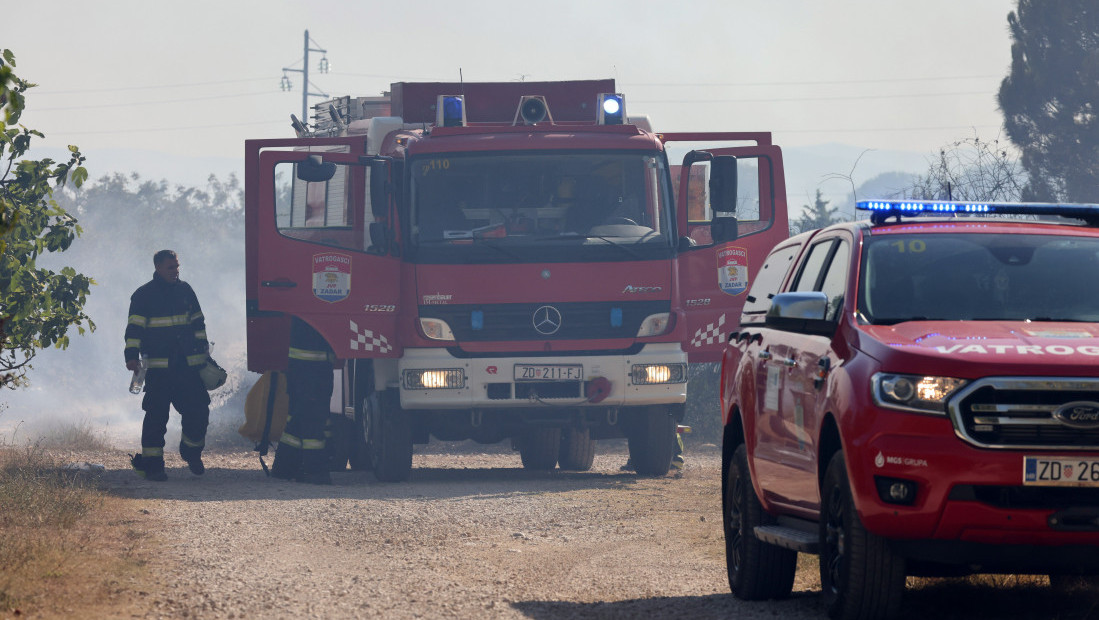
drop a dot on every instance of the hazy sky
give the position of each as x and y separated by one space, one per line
197 78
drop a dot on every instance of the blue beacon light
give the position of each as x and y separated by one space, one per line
886 208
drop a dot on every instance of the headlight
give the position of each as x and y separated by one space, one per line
436 329
914 392
446 378
654 325
650 374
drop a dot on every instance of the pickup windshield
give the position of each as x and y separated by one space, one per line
979 277
536 206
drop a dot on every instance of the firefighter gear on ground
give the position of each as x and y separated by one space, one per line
167 327
301 455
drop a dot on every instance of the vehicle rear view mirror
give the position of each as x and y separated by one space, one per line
379 238
723 228
379 188
723 184
315 170
800 312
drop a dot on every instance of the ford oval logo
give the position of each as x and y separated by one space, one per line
1082 414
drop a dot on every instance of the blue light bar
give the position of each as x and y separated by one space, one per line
450 111
612 109
885 208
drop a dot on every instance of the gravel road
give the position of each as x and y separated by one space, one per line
471 535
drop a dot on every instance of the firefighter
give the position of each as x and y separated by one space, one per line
301 455
166 328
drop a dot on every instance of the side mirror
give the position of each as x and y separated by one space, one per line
315 170
379 238
379 188
723 182
723 228
800 312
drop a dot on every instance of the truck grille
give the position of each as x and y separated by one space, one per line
1012 412
578 320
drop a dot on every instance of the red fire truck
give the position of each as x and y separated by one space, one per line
917 396
505 260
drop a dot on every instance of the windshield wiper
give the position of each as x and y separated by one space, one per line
625 248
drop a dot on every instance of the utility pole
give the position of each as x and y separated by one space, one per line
323 67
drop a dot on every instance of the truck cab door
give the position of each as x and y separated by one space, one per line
322 245
731 209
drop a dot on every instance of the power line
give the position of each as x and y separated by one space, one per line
818 82
812 98
160 102
37 92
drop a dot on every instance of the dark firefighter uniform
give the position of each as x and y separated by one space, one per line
301 455
166 326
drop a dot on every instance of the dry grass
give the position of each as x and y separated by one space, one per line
64 550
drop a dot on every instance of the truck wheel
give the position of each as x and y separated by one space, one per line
538 448
366 400
757 570
577 449
339 440
651 441
389 439
860 576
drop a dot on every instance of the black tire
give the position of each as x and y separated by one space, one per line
860 576
652 441
339 440
757 570
390 439
365 402
539 447
577 449
1065 584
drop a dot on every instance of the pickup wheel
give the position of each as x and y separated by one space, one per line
652 441
757 570
577 449
539 448
860 576
389 439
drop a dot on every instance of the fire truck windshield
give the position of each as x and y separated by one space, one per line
975 277
547 205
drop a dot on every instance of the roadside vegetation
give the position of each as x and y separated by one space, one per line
66 548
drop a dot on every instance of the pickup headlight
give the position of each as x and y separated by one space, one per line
915 393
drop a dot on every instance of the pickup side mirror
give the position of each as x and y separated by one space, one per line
723 189
800 312
315 170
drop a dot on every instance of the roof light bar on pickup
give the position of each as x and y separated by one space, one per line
916 207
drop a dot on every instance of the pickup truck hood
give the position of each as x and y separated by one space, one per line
973 348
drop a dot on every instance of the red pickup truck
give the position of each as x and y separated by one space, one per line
917 395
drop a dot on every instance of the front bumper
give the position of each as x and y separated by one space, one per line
490 382
966 497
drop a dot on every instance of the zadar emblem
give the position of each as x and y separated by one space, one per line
732 270
331 276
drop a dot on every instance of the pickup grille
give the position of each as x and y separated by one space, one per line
1012 413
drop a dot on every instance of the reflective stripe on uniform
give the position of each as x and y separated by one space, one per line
290 440
197 359
189 443
157 362
201 334
168 321
307 355
137 319
196 316
312 444
152 452
134 343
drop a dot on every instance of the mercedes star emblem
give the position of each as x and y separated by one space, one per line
546 320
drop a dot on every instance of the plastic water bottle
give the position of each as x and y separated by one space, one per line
138 380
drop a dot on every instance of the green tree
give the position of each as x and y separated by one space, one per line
1050 100
817 215
37 305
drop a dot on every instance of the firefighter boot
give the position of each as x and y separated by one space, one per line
287 463
193 457
314 468
149 467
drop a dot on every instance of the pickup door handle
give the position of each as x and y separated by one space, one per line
764 355
279 283
789 362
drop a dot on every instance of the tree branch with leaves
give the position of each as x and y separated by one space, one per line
37 305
